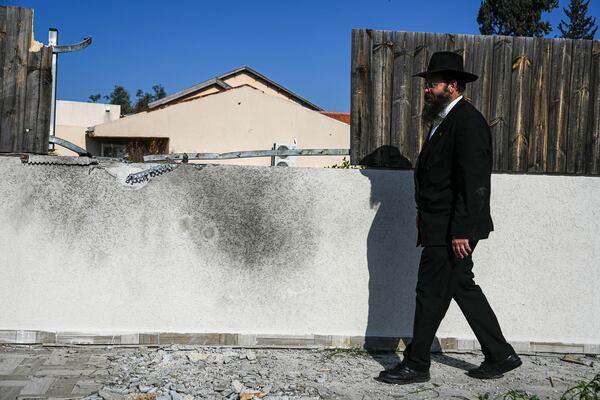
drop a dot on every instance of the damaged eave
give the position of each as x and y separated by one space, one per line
219 81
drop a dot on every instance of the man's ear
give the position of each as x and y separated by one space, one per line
454 85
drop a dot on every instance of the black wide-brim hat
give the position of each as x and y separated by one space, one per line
447 62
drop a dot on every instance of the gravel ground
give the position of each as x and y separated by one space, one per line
196 372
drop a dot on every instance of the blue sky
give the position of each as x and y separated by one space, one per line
303 45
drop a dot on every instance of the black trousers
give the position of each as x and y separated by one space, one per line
443 277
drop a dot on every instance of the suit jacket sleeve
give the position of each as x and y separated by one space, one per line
472 169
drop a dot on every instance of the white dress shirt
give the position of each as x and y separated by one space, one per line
438 120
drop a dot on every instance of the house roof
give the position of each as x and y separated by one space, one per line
218 81
340 116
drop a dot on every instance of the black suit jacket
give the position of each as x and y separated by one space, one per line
452 179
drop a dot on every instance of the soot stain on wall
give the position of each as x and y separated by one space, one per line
255 217
79 213
240 217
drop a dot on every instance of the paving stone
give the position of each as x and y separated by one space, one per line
37 386
86 387
65 372
62 387
12 381
58 357
98 361
29 365
10 362
9 392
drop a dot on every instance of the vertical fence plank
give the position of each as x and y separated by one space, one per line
520 110
500 101
360 101
45 95
402 84
480 50
540 99
34 66
39 96
559 105
579 106
420 60
19 24
382 69
24 42
438 42
593 166
472 91
458 44
3 31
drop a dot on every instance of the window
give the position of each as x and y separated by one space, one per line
113 150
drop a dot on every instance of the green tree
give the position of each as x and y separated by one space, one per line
159 92
94 98
120 96
145 98
515 17
580 26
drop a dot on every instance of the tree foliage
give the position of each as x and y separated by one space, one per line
94 98
145 98
120 96
580 25
515 17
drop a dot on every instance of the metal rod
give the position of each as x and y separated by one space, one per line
246 154
72 47
69 145
53 41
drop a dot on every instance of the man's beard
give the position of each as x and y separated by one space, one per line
433 106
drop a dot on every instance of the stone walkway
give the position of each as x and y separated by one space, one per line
195 372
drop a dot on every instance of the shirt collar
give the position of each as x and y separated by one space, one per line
449 107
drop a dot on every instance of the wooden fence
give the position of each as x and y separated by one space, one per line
25 83
541 98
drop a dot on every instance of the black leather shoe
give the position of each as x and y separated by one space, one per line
493 370
402 374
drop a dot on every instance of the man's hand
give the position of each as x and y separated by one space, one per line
461 248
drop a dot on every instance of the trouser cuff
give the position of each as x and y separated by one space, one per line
416 366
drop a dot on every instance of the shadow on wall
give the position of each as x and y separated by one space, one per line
392 255
393 259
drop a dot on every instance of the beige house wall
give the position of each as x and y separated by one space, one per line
74 117
245 79
240 79
243 118
203 92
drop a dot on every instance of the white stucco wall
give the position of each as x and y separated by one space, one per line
281 251
238 119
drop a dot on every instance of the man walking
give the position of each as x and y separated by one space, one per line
452 192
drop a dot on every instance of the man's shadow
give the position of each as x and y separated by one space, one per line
393 258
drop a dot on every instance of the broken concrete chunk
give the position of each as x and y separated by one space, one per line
237 386
113 393
175 396
195 356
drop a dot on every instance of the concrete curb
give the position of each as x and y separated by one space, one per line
274 341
